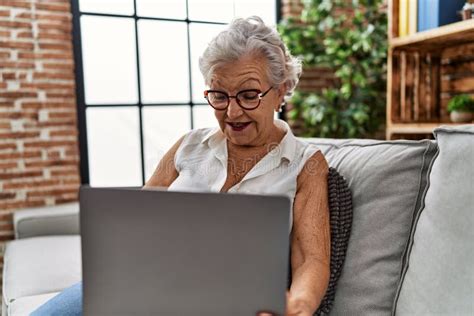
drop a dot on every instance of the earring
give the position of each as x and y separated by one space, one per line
280 108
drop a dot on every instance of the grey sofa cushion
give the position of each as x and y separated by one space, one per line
62 219
40 265
439 277
386 180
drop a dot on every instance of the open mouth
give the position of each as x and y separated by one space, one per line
238 126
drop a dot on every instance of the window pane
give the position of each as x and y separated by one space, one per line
162 127
163 61
109 60
124 7
266 9
203 116
171 9
211 10
114 146
201 34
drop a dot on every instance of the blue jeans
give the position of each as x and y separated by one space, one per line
66 303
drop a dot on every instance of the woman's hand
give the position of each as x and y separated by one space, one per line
297 307
294 307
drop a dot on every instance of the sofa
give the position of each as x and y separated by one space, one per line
411 249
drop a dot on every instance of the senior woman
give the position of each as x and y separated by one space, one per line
249 72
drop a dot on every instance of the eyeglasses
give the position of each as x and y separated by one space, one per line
246 99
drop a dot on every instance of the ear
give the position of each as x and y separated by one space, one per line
281 92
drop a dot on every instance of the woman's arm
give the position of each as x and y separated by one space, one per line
310 238
165 173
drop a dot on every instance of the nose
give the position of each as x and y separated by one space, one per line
234 110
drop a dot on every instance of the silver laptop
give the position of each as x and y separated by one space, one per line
152 252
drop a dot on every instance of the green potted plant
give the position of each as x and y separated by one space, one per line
461 108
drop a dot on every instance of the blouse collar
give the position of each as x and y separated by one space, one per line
285 150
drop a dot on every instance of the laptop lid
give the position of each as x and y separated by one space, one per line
151 252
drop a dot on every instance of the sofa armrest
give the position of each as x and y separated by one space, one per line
60 219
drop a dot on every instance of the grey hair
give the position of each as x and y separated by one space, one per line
251 36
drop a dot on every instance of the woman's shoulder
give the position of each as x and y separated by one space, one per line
317 159
314 170
313 159
306 150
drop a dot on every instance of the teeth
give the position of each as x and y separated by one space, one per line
238 124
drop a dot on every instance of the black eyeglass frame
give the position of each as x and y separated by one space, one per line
259 93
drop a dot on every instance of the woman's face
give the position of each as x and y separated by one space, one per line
240 126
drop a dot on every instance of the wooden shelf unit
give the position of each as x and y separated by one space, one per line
417 128
425 70
438 38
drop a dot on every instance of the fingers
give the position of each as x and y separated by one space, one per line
268 313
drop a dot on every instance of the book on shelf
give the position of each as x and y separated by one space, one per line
403 18
435 13
407 17
412 17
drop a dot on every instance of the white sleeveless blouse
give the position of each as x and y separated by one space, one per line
201 162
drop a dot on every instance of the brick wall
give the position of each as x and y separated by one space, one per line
39 159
